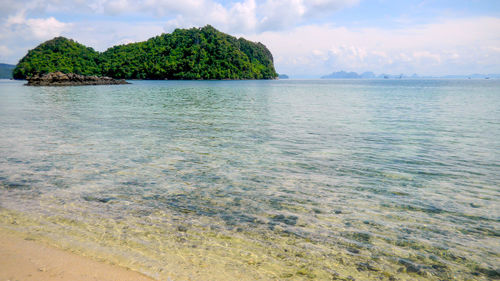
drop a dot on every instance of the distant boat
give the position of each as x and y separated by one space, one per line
487 78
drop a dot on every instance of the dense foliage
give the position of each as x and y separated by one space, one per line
196 53
58 54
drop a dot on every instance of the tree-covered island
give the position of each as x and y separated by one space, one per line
195 53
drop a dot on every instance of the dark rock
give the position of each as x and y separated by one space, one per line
410 267
353 250
440 267
364 266
289 220
316 211
104 200
362 237
490 272
14 185
98 199
182 228
71 79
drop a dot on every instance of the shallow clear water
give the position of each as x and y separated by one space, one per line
364 179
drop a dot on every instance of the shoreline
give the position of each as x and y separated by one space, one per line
22 258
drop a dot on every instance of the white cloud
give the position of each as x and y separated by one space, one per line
19 33
115 6
4 50
299 47
46 28
39 28
239 16
243 15
319 7
101 35
279 14
465 45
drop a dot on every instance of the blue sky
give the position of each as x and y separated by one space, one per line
308 38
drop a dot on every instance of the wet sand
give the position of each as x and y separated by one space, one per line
22 259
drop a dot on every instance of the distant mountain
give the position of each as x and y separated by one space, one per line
368 75
195 53
283 76
371 75
6 70
349 75
390 76
342 75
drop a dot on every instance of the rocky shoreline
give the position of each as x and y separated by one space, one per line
71 79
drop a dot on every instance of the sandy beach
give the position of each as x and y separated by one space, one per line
22 259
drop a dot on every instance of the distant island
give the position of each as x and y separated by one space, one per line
354 75
195 53
6 70
283 76
370 75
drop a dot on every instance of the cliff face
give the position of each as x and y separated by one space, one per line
196 53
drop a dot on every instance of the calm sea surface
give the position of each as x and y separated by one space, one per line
284 180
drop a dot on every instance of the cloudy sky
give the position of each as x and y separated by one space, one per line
308 38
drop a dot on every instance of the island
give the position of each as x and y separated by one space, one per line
349 75
6 70
283 76
195 53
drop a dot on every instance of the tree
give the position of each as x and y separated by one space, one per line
196 53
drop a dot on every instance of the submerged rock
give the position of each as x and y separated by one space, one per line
70 79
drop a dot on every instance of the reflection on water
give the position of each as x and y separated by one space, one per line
342 180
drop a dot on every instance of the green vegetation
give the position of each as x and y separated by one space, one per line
196 53
58 54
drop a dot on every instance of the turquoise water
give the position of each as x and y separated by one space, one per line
363 179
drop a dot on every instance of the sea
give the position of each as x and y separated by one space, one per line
391 179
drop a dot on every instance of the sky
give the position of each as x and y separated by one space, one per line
307 38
